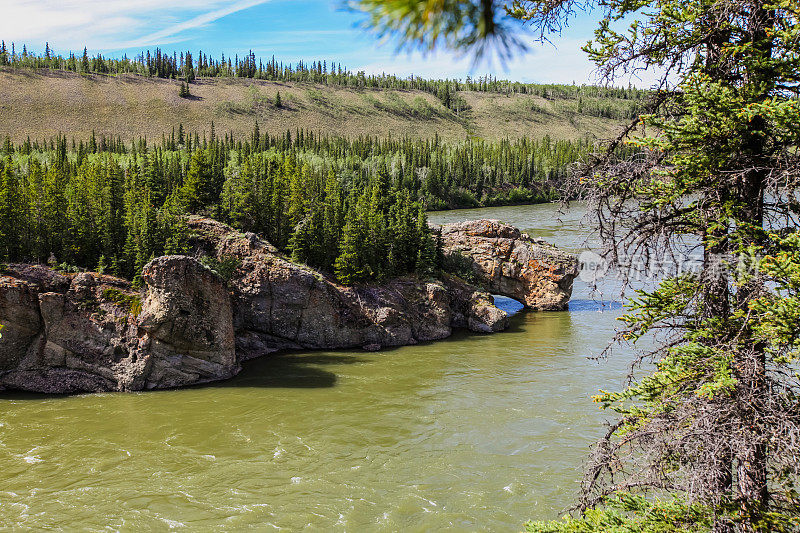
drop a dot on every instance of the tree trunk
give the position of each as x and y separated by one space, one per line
752 493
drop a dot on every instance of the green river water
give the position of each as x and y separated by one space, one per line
475 433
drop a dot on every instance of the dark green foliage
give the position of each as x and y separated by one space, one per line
352 265
354 208
103 211
12 215
183 92
224 268
201 187
458 264
131 303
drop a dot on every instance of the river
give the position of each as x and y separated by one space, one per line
478 432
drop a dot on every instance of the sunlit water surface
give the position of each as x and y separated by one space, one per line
478 432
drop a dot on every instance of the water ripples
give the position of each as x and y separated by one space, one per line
479 432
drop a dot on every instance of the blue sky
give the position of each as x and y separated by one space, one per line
290 29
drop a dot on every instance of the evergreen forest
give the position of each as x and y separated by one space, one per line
352 208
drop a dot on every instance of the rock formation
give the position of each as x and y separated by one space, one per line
66 333
508 262
279 304
89 332
187 323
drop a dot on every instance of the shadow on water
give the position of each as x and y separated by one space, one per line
290 370
27 396
304 370
284 370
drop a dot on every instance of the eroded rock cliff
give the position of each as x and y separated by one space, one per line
279 304
89 332
67 333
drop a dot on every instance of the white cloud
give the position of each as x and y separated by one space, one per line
108 24
542 63
561 62
115 25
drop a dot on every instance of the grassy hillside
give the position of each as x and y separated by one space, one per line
42 103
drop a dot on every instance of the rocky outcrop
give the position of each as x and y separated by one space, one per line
187 321
508 262
191 323
89 332
279 304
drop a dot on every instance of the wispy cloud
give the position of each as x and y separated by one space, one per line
289 29
196 22
110 24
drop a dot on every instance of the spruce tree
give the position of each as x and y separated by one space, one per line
239 204
199 188
301 242
183 91
85 61
332 219
426 248
12 213
350 266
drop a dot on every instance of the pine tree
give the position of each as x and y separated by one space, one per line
377 229
427 248
183 91
239 204
54 211
154 178
172 226
298 178
350 266
12 213
85 61
301 242
199 187
332 220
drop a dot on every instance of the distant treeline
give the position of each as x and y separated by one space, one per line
355 208
595 100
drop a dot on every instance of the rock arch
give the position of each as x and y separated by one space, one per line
511 263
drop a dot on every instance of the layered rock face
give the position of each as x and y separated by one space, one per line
187 321
279 304
511 263
67 333
89 332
